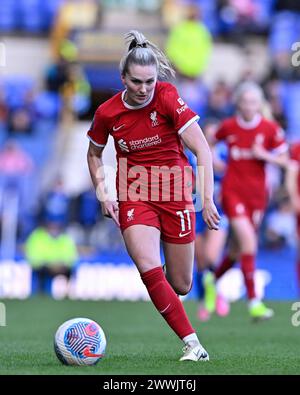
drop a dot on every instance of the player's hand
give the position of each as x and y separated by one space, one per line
259 151
210 215
111 210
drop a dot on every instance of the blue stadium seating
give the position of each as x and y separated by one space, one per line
209 15
48 105
104 77
50 9
8 12
16 90
291 100
32 16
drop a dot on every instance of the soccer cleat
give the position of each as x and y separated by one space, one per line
210 292
194 352
260 312
222 306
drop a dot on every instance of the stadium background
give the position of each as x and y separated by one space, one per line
59 61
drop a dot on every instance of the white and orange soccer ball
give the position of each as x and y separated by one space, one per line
79 341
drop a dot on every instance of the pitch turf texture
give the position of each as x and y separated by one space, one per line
141 343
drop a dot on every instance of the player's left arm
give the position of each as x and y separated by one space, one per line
280 159
194 139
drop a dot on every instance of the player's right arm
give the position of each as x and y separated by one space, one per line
96 168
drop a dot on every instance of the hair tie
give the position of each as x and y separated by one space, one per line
134 44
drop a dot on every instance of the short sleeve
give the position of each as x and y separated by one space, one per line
222 132
277 141
98 132
295 152
177 110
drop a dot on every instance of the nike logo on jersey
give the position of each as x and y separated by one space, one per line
118 128
184 234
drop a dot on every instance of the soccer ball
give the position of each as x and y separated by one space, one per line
79 341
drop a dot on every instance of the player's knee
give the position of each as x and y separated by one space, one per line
249 247
182 287
146 263
249 250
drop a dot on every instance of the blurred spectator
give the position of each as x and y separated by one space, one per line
15 166
219 101
281 226
72 16
20 121
13 161
85 215
57 73
56 76
50 252
238 17
189 45
56 204
77 90
3 108
66 78
16 170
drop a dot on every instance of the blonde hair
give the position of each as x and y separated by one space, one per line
144 53
246 87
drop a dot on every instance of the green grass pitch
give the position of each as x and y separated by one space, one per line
141 343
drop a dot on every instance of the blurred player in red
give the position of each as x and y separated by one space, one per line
252 142
148 122
292 182
209 244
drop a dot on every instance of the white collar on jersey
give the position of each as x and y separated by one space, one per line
249 124
140 105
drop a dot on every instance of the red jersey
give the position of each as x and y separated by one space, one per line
147 136
245 175
295 155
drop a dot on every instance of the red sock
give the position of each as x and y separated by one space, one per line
166 301
225 265
247 266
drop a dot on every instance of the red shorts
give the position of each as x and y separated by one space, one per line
175 220
234 206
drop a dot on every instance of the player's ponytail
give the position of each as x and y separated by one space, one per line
144 53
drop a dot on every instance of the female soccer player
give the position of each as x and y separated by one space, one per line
252 142
209 244
148 120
